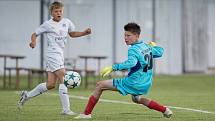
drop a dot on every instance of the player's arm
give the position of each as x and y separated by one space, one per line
79 34
33 40
130 62
41 29
157 51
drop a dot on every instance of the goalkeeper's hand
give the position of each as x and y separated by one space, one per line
152 44
106 71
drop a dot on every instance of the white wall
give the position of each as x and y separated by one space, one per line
168 35
18 21
20 18
211 35
96 14
195 37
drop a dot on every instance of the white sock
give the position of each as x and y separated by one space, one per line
64 97
39 89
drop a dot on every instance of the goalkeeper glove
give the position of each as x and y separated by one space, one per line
152 44
106 71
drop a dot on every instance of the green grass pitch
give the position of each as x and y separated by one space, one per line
187 91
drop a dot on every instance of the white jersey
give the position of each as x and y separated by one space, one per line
56 34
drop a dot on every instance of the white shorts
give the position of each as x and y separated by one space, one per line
54 63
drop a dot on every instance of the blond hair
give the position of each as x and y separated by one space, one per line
55 5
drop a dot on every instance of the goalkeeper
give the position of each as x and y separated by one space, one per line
139 79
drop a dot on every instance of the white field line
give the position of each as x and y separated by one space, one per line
129 103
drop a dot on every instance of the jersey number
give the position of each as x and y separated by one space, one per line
149 58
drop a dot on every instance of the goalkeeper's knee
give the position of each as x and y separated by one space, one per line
135 98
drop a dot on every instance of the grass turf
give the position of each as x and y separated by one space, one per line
188 91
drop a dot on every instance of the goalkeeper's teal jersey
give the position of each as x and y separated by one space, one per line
140 69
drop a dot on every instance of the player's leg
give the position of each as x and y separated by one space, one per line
39 89
42 87
63 92
93 99
100 87
152 105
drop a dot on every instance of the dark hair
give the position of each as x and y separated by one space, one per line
133 28
55 5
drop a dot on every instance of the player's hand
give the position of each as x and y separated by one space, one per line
106 71
32 44
152 44
87 31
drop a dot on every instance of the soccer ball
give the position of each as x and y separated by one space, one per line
72 79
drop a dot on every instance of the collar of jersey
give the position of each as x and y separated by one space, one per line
137 42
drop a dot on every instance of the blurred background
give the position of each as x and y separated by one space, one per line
184 76
184 28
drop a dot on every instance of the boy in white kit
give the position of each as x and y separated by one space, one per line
56 29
